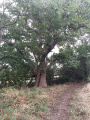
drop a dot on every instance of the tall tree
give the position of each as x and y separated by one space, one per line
44 24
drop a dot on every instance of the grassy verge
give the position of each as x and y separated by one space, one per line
27 104
80 104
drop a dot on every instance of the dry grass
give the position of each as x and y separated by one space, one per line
27 104
80 104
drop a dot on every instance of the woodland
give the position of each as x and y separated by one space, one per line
30 30
44 59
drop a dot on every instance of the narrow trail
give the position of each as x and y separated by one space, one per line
60 109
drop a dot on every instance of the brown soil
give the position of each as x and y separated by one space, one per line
60 110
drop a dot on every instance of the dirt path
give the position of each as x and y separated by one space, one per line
59 110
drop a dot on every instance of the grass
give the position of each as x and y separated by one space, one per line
27 104
80 104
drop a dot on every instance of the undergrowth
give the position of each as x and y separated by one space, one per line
27 104
79 105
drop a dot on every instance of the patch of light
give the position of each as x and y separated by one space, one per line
55 50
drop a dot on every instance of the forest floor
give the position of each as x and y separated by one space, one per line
73 104
58 102
28 103
79 106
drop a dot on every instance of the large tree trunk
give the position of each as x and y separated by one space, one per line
41 75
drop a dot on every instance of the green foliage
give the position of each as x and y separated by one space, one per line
50 76
15 65
67 56
75 61
84 58
35 27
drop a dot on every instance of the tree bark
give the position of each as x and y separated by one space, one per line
41 75
0 36
41 72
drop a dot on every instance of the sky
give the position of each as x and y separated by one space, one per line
0 5
1 1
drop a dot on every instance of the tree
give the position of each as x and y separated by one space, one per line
15 64
75 62
84 58
6 16
42 25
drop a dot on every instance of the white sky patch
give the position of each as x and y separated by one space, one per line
1 1
55 50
